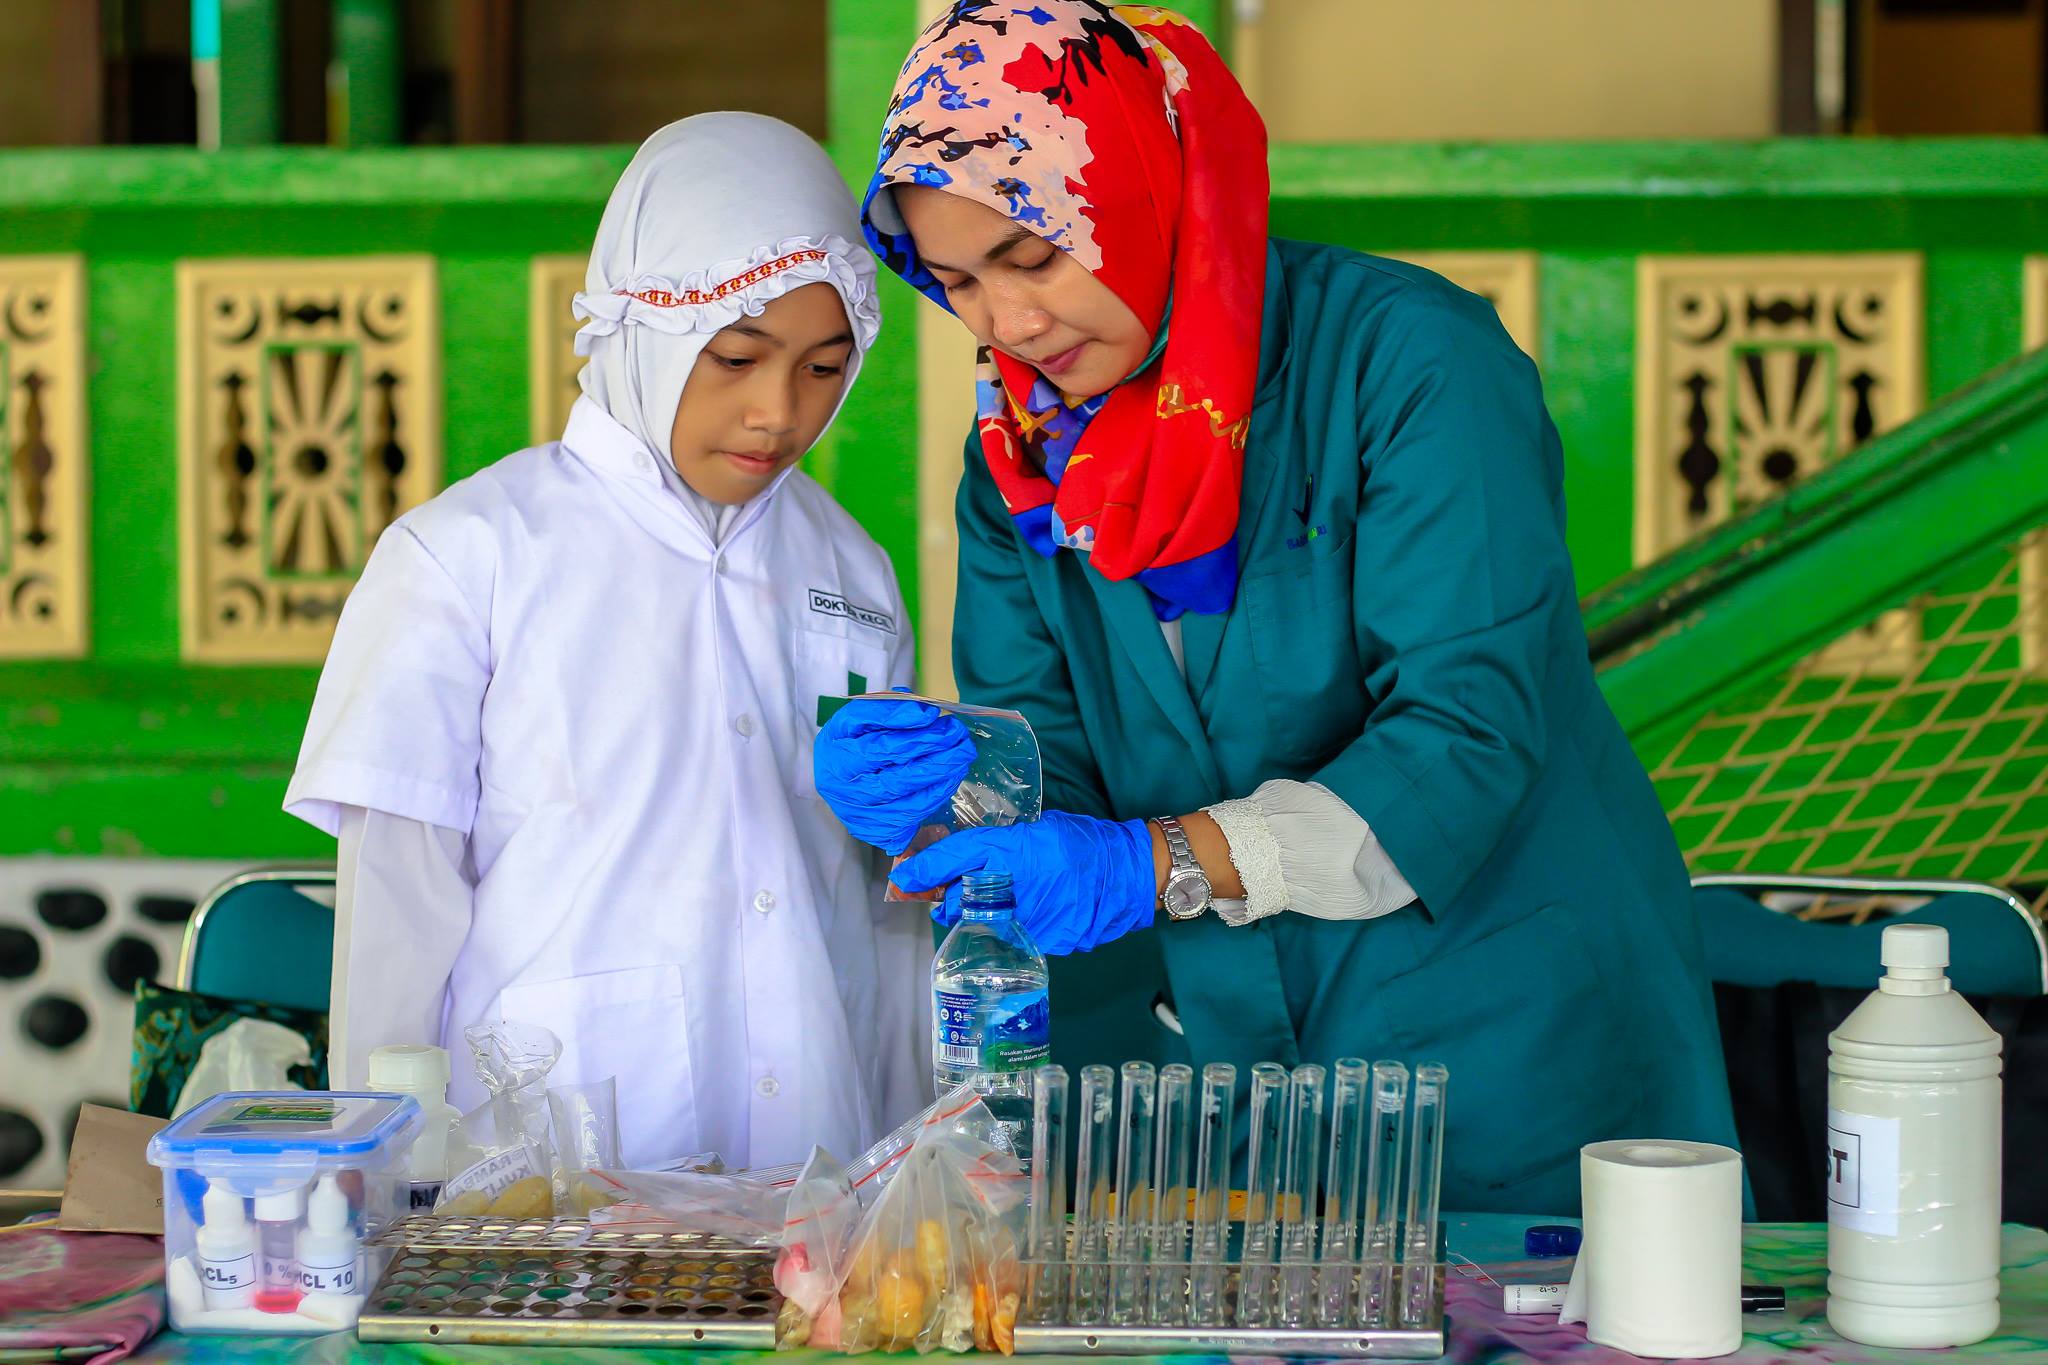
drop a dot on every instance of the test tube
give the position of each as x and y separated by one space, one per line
1425 1187
1048 1233
1133 1195
1341 1194
1212 1195
1092 1193
1304 1166
1382 1192
1170 1195
1262 1194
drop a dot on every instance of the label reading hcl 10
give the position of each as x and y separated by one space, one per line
328 1279
1863 1173
236 1273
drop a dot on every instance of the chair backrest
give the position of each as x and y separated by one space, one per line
1996 945
260 935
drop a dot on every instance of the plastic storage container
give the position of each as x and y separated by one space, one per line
1913 1157
269 1201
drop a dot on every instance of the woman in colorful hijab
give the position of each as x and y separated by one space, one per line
1266 538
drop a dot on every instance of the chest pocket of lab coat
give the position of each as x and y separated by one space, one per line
827 665
629 1025
1305 652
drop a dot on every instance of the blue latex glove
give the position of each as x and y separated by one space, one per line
1080 882
884 766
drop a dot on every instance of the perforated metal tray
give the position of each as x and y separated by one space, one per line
564 1282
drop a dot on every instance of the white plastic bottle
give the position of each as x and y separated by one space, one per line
226 1244
421 1071
1913 1157
330 1255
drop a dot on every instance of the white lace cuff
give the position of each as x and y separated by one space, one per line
1255 853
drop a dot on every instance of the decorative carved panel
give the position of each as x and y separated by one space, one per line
43 453
1753 372
310 418
1505 279
551 343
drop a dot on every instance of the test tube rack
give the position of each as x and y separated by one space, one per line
1335 1268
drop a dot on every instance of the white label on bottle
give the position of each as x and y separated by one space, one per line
237 1272
328 1279
1863 1173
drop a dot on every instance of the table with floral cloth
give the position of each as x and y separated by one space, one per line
1486 1249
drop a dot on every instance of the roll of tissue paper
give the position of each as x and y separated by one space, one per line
1660 1271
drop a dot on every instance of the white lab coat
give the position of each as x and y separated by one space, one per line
553 660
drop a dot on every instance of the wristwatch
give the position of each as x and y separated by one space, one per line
1187 892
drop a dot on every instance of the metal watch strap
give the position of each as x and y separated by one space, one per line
1180 853
1182 866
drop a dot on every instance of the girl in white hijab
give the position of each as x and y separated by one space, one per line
564 732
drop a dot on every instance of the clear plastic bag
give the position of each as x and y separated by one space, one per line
501 1151
586 1138
1005 785
934 1263
820 1220
684 1201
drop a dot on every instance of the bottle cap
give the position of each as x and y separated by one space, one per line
1551 1239
1914 948
223 1208
327 1210
410 1068
284 1206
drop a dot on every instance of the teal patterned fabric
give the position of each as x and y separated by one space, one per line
172 1025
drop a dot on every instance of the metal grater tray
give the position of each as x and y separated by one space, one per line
563 1282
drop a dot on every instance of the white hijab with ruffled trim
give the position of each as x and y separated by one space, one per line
716 215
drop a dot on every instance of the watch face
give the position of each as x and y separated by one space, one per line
1184 898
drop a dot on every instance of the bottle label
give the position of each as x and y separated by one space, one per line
1020 1030
238 1272
1863 1173
959 1030
328 1279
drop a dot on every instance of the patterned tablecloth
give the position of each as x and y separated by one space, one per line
1789 1255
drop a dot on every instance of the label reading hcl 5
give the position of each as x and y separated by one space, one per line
237 1273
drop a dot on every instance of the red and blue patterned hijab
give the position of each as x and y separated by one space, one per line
1117 134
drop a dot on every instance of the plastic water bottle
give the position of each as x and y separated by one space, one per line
991 1017
1913 1157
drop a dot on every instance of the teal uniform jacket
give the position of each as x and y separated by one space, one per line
1406 633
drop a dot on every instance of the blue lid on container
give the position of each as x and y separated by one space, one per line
1551 1239
286 1123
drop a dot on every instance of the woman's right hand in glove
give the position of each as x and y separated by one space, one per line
884 767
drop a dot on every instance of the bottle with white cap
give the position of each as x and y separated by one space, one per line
1913 1156
277 1234
226 1245
329 1251
421 1071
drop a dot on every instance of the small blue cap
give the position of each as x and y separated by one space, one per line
1551 1239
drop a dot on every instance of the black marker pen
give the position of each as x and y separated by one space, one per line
1549 1298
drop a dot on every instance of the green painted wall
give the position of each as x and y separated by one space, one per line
130 752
